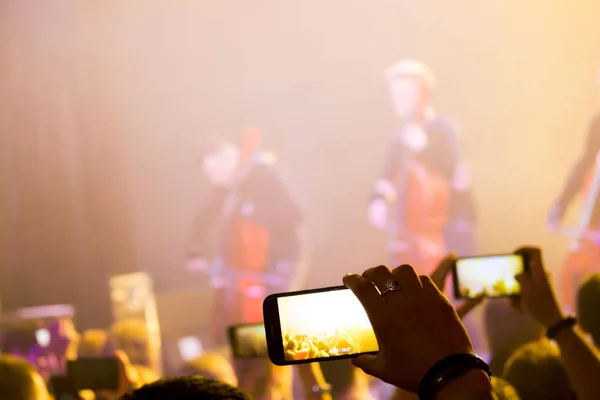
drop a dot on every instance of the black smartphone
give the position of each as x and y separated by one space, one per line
493 275
316 325
93 374
248 340
61 388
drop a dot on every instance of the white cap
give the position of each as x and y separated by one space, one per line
412 69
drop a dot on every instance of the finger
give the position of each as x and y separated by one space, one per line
379 276
469 305
408 279
367 294
429 285
524 281
533 257
367 362
439 274
515 302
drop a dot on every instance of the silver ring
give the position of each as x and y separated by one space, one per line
391 286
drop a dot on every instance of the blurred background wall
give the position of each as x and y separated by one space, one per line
102 105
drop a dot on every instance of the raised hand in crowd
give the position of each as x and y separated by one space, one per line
581 360
417 331
440 275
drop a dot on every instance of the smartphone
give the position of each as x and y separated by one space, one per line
493 275
316 325
93 374
248 340
190 348
42 337
61 389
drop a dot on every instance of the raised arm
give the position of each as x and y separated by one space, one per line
581 360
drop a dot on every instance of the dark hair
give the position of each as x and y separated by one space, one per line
507 329
537 372
17 379
588 306
187 388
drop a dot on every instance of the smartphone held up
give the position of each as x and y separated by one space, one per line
316 325
248 341
492 275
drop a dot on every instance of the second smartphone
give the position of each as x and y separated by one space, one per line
493 275
316 325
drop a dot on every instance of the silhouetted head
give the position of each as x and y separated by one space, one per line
187 388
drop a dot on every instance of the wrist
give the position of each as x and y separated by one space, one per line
560 326
552 318
467 386
454 375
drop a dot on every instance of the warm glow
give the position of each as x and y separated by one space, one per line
321 321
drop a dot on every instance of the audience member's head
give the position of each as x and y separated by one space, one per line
536 372
503 389
588 307
187 388
19 380
93 344
211 365
132 337
506 330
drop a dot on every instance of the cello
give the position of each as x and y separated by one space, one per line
420 214
583 259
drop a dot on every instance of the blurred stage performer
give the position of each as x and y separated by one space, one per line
422 198
259 250
584 257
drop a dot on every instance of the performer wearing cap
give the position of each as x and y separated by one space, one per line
259 250
422 198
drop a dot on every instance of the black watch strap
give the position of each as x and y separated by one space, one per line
559 326
448 369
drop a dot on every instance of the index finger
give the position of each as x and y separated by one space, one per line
438 276
533 256
367 294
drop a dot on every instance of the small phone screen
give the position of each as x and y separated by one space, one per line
324 324
248 341
492 275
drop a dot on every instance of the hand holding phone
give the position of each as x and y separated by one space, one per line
248 340
492 275
416 325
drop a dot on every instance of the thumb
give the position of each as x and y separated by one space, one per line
366 362
470 304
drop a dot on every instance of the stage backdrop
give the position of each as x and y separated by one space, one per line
102 105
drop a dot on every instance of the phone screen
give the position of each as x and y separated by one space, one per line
248 341
492 275
320 325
